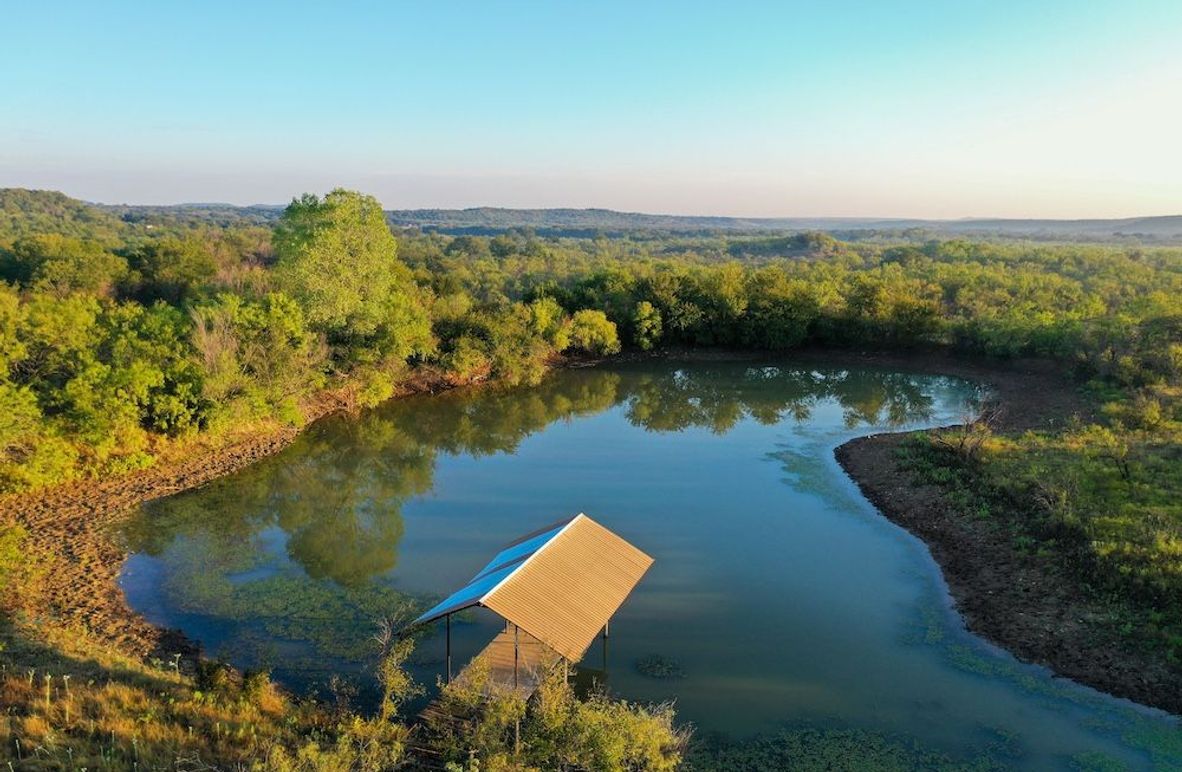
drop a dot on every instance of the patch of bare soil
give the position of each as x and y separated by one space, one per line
1022 602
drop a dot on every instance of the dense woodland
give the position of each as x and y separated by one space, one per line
119 338
128 337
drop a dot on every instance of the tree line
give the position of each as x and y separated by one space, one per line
121 340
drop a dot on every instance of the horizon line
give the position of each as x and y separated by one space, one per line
758 218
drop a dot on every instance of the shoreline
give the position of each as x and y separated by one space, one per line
1024 604
73 522
1017 602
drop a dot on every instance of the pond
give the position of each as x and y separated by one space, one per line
779 597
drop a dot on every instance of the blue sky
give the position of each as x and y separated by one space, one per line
934 109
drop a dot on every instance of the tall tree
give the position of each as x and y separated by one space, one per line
339 260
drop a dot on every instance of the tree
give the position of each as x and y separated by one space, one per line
548 320
173 269
12 315
256 352
339 260
646 325
779 312
61 265
592 333
720 294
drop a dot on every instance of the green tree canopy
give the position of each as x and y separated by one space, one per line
592 332
62 265
646 325
339 260
173 269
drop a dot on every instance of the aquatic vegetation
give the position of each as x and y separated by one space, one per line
657 666
821 750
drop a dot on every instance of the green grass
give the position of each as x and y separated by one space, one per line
1102 500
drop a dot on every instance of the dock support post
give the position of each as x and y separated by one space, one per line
517 721
448 622
606 632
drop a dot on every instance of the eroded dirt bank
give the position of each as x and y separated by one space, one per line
1022 602
73 524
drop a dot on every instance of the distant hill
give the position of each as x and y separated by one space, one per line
28 211
25 212
493 218
590 221
220 215
1164 227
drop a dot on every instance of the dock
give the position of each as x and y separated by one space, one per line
556 588
512 665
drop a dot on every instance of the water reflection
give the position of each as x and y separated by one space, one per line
778 591
288 563
699 397
337 494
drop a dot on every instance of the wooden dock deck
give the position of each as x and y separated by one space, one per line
493 670
533 660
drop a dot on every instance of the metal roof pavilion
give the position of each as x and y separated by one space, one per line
560 584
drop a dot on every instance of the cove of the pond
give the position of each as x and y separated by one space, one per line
779 596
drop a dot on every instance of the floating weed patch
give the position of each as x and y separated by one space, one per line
1164 745
1094 761
808 749
656 666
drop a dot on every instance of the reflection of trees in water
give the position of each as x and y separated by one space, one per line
337 496
718 399
892 399
486 421
338 493
340 500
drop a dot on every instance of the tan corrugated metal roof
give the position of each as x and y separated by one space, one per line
561 584
566 591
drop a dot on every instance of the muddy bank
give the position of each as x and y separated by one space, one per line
1024 603
72 524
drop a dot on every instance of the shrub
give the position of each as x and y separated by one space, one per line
646 325
591 332
476 720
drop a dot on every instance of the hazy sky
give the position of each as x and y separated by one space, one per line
932 109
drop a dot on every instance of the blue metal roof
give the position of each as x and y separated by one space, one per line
500 568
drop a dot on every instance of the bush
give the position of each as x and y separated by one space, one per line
467 360
646 325
557 730
592 333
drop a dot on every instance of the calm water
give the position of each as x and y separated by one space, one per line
779 592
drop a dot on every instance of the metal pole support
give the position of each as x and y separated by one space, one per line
448 619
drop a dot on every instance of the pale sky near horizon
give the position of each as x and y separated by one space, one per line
884 109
